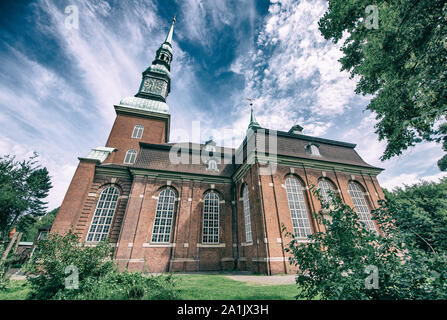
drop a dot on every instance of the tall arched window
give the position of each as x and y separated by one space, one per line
360 205
325 189
102 219
138 131
131 156
297 207
247 220
210 231
164 216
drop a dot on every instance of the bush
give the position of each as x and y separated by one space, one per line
61 260
339 263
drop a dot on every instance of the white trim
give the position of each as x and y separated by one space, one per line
158 245
186 245
130 244
184 260
279 240
246 244
92 194
209 245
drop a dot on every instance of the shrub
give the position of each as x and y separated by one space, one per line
338 263
98 278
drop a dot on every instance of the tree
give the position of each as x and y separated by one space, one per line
29 225
350 262
402 62
23 186
420 211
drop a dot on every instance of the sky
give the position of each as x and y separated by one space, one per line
58 84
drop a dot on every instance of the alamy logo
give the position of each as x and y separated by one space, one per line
372 280
72 19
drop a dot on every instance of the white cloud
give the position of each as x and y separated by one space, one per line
410 179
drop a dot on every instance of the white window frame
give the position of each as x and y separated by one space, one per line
361 206
210 219
102 219
247 218
131 156
325 186
164 216
314 150
212 165
137 132
298 208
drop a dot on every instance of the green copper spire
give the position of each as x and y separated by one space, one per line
253 122
156 83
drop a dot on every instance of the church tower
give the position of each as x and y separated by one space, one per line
144 117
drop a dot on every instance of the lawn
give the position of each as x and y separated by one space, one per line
219 287
195 287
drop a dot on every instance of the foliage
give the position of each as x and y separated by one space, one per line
337 264
420 211
23 186
98 278
29 225
5 265
403 63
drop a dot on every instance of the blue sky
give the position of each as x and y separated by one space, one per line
58 86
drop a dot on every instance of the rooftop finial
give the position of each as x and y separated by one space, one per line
171 31
253 122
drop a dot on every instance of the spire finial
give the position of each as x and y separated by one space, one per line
171 31
253 122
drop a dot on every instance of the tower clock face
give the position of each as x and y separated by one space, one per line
154 86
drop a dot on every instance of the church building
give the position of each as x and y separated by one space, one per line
199 207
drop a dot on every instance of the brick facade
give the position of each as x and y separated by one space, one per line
129 225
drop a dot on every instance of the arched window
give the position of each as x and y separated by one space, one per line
131 156
297 207
314 150
164 216
210 232
102 219
212 165
247 220
360 205
325 189
138 131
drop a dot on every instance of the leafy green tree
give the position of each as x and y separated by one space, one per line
420 211
23 186
343 262
29 225
403 63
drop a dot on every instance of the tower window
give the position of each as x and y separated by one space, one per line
210 232
360 205
212 165
297 207
102 219
131 156
247 220
138 131
164 216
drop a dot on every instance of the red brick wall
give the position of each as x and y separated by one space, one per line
121 135
186 251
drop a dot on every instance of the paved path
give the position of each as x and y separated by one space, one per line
265 280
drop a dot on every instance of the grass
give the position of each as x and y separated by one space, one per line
16 290
219 287
195 287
